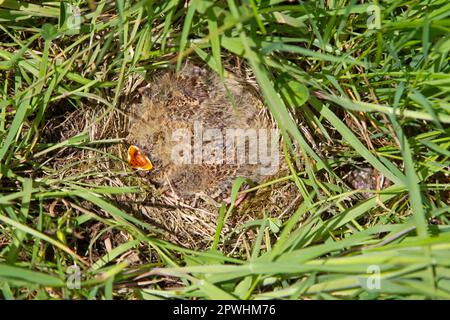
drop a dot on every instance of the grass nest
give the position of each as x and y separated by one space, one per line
191 225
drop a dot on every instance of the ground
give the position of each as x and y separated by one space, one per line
358 91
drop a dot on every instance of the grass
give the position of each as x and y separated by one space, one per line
341 93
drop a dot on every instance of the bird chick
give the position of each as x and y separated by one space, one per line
201 132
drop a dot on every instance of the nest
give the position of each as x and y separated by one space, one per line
186 216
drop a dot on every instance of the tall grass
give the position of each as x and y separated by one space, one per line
373 96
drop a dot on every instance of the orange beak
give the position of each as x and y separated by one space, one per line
138 160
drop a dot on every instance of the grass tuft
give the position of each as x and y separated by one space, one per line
346 97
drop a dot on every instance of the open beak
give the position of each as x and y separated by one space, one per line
138 160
